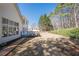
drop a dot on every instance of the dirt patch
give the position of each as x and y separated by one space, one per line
47 45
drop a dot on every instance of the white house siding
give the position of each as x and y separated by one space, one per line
0 28
10 12
24 26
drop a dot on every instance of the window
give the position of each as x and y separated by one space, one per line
4 21
5 31
10 28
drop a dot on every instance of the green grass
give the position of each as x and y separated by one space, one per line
71 32
64 32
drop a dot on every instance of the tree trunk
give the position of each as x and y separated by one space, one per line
76 24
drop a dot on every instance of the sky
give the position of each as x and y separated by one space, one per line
33 11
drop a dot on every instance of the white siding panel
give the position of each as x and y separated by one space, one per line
9 11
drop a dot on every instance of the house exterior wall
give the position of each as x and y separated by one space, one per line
0 28
24 31
9 11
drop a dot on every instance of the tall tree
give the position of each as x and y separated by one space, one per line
45 23
68 15
75 15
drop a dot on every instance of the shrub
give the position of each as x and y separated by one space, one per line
64 32
74 33
71 32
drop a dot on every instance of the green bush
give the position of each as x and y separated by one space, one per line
74 33
64 32
71 32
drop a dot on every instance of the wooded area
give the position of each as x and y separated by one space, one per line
65 16
45 23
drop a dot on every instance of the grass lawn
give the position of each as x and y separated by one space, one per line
71 32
